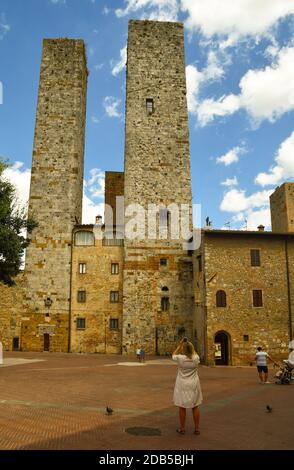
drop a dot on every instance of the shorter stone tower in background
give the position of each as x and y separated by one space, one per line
282 208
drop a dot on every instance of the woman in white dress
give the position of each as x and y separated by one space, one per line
187 391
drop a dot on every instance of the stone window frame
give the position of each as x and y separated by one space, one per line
163 262
82 268
221 298
114 296
257 298
81 323
255 257
113 323
114 268
82 296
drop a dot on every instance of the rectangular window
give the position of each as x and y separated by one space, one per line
245 338
149 106
114 268
163 262
255 257
81 323
81 296
164 304
199 258
257 298
113 323
82 268
114 296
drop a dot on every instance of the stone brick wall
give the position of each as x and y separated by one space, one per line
114 186
282 208
56 181
11 313
157 171
227 266
97 282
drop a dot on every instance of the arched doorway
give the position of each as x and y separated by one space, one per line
222 348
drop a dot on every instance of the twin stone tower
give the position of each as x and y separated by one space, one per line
154 302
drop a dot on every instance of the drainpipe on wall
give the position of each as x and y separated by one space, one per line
204 306
70 293
288 290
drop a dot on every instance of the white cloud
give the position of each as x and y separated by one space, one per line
230 182
224 106
96 183
284 169
258 217
265 93
269 93
95 120
162 10
235 200
4 26
91 210
20 178
98 66
93 189
232 156
111 105
120 65
196 78
233 20
251 211
55 2
106 10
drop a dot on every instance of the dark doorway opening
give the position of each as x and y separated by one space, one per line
46 342
15 343
221 354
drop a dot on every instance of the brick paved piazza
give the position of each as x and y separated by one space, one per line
57 401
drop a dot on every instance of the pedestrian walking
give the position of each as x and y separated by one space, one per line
261 363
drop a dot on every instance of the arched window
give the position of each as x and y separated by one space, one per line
84 238
165 289
221 298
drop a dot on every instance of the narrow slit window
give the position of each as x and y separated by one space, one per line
114 268
149 106
257 298
83 268
255 257
114 297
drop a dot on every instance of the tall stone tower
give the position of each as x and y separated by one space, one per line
56 191
157 292
282 208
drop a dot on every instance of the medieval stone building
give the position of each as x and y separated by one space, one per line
244 288
108 288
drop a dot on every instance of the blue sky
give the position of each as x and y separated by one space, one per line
240 79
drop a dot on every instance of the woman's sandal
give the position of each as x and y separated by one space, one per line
197 432
180 431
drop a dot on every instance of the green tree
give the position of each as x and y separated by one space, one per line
13 225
